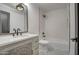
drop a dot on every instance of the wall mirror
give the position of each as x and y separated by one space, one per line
13 16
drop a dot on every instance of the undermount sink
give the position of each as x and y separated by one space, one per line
22 36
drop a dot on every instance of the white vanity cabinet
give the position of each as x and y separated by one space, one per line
24 47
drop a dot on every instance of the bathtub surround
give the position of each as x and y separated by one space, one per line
41 25
56 24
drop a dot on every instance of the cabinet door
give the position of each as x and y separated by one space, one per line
25 49
35 46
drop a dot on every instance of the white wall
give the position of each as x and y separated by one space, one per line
16 19
57 24
33 19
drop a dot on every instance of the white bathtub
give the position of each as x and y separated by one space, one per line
53 47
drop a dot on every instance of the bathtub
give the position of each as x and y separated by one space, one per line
53 47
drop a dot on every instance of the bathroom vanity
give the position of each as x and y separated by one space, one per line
27 44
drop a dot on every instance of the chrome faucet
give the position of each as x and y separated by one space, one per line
17 32
14 31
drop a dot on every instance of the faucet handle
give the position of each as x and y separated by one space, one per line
18 29
14 30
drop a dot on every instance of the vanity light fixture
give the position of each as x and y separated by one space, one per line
20 7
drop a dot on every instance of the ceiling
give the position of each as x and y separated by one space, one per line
45 7
50 6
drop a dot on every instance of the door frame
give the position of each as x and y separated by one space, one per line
77 28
